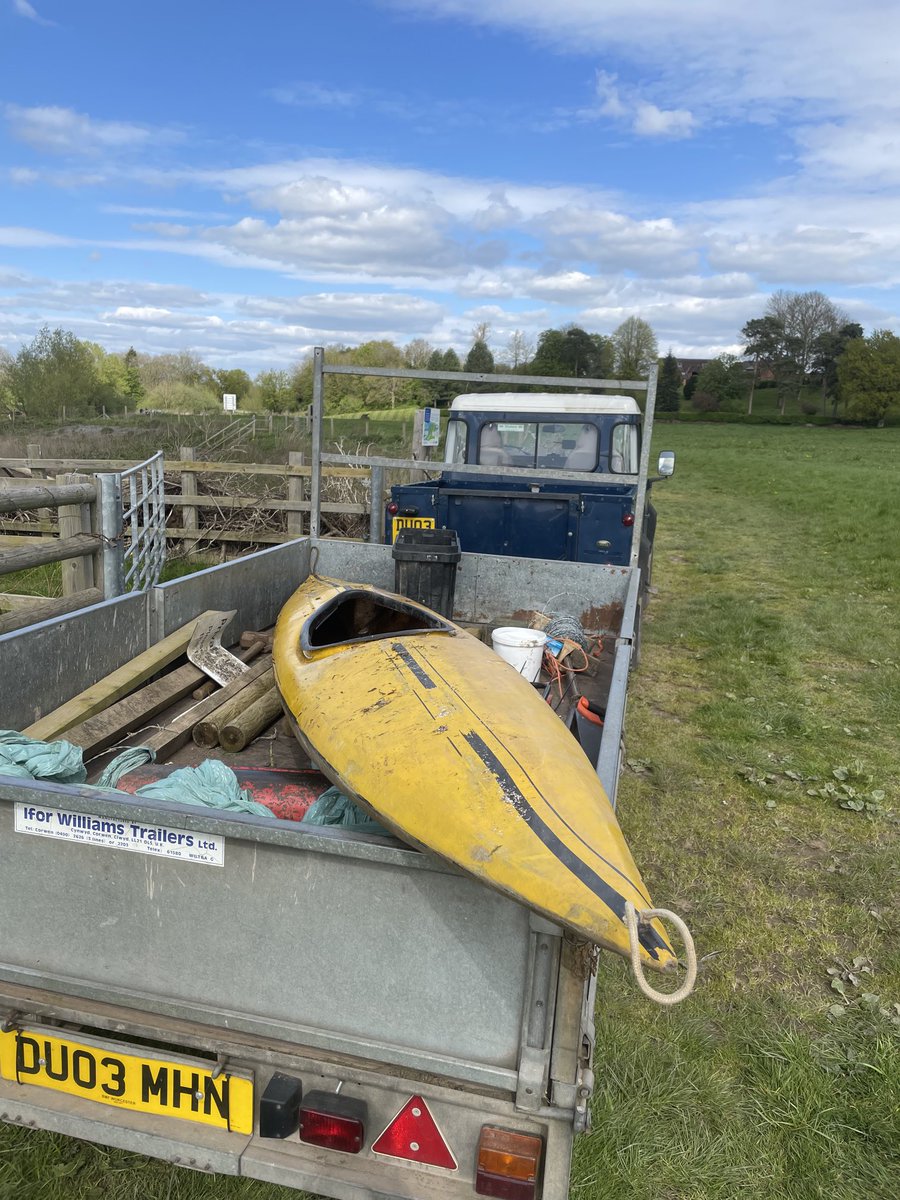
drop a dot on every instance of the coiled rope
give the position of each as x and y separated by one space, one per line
632 919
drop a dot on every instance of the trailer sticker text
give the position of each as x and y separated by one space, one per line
119 834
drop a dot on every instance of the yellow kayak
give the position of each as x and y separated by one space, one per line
428 729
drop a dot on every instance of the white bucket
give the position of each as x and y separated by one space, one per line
521 648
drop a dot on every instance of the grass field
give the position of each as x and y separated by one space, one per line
761 801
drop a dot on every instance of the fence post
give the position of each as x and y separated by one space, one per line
376 505
318 416
189 515
112 532
295 496
268 422
77 573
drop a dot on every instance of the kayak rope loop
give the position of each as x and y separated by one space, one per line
632 919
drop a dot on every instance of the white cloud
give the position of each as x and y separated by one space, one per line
24 9
63 131
644 119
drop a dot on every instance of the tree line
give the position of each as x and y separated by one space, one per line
58 375
802 346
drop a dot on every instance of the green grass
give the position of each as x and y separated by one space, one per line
772 661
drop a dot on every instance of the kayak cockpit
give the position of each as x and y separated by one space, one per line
356 616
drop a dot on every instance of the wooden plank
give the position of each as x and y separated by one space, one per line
49 551
43 609
114 686
178 731
110 726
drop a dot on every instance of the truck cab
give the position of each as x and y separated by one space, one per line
583 517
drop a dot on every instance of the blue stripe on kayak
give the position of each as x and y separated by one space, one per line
647 935
423 677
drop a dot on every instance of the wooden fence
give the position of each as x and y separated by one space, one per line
235 504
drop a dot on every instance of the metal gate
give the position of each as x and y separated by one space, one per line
133 519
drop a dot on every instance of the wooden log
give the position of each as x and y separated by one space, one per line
250 637
29 497
43 609
48 551
114 686
178 731
114 723
207 731
248 724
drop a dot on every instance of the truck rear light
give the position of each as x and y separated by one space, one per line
333 1121
508 1164
279 1107
393 508
627 518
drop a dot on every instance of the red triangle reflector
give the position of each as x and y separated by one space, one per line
413 1134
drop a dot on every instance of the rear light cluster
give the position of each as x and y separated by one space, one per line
508 1164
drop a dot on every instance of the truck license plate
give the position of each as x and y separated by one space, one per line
399 523
107 1073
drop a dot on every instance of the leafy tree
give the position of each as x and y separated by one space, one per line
869 375
764 339
134 387
274 390
805 317
417 353
54 373
668 393
572 351
827 351
7 399
724 380
519 349
441 392
690 387
479 360
233 382
635 348
787 334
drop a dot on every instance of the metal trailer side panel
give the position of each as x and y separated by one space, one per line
44 665
491 587
281 940
256 585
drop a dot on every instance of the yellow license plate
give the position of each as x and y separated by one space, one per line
399 523
105 1072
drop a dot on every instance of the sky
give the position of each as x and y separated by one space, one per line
247 180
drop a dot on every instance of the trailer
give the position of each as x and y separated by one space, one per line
252 996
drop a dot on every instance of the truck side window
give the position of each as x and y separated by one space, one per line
455 447
623 454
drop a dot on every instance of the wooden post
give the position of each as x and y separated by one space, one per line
43 516
77 573
269 423
189 514
295 495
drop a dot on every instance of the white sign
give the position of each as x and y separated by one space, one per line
229 402
116 833
431 427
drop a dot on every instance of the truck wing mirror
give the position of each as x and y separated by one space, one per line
666 465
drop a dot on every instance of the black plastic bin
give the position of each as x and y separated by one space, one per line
425 562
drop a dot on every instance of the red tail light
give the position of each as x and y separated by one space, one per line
334 1122
627 518
508 1164
393 508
